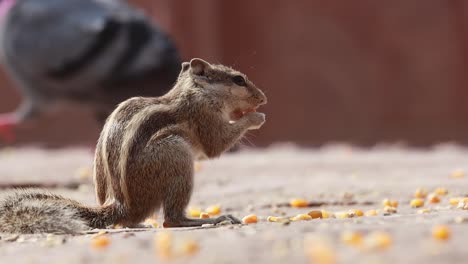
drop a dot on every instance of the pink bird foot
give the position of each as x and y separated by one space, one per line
7 125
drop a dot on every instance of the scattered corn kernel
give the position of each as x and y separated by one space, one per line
197 166
441 191
441 232
250 219
163 245
325 214
342 215
371 213
457 174
320 252
420 193
352 238
213 210
194 211
298 203
356 212
454 201
276 219
424 211
100 242
315 214
463 203
390 210
418 202
433 198
190 247
301 217
272 219
388 202
378 240
152 222
84 173
204 215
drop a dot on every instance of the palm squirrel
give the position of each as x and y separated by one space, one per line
145 154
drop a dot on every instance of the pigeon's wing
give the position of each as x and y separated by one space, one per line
56 37
96 52
91 40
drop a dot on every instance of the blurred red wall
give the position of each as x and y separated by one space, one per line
358 71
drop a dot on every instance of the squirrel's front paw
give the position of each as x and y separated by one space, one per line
256 120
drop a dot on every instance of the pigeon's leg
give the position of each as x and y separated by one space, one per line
8 122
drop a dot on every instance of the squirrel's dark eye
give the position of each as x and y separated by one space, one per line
239 80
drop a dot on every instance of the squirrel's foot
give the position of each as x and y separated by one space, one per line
187 222
227 219
141 225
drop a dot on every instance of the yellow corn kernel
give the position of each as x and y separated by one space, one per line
320 252
301 217
100 242
441 232
213 210
163 245
204 215
194 211
454 201
390 210
84 173
272 219
415 203
342 215
325 214
388 202
462 203
250 219
197 166
352 238
378 240
315 214
441 191
152 222
420 193
424 211
457 174
371 213
356 212
298 203
277 219
433 198
190 247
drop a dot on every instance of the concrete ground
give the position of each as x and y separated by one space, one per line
262 182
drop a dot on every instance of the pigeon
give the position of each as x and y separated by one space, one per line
94 53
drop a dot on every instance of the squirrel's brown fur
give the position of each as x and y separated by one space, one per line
144 156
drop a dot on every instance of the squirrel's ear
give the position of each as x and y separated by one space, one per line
198 66
185 66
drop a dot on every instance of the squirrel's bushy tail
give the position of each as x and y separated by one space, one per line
30 211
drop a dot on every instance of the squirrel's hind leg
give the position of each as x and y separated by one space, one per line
178 184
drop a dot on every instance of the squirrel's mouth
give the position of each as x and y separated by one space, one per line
239 113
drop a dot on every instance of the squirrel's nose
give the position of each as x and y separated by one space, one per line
262 99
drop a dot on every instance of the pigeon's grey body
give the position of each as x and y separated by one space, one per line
93 52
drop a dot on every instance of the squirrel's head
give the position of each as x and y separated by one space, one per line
238 94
